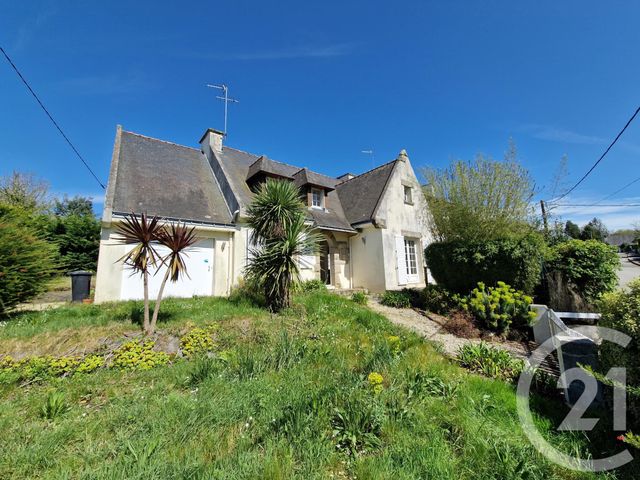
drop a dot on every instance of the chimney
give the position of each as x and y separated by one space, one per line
345 177
213 140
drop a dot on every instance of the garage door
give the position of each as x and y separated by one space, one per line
199 260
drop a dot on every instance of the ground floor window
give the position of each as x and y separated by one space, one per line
411 260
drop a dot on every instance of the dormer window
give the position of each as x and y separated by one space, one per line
408 199
317 197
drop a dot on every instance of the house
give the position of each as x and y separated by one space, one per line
373 224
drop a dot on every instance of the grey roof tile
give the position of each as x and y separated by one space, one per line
237 165
168 180
360 195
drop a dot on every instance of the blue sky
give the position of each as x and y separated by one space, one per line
318 82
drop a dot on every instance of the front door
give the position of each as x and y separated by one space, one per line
325 269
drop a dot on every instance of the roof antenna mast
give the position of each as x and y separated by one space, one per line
371 153
226 99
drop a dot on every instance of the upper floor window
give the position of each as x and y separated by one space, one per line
407 195
316 198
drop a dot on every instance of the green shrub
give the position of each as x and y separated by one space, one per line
312 286
621 311
498 307
438 299
359 297
26 260
489 361
458 265
54 406
198 341
396 299
136 355
589 265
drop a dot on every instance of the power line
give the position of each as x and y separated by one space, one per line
595 205
619 190
51 118
601 157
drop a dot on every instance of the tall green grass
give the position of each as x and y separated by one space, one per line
284 397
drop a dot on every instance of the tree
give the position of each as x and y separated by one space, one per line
480 200
594 230
142 233
24 191
572 230
80 206
177 238
280 233
76 231
26 260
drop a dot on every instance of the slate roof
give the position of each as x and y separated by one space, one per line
238 166
168 180
174 181
360 195
266 165
307 177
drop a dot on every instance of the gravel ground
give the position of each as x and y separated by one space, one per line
430 327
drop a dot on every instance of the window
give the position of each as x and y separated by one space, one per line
410 258
316 198
407 195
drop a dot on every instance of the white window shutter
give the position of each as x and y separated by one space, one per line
402 262
306 261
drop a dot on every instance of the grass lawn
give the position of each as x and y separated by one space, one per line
286 396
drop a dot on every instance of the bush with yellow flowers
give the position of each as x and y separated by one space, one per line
375 382
90 363
62 366
135 355
500 306
198 341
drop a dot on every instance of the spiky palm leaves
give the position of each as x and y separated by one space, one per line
145 235
142 233
177 238
277 217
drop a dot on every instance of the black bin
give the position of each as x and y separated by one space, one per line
80 285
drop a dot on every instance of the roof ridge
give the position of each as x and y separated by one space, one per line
159 140
368 171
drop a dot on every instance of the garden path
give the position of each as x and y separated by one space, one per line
430 326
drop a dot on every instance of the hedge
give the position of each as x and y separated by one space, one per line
589 265
459 265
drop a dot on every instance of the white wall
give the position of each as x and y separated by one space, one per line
402 219
109 274
368 260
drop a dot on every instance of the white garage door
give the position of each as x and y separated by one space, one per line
199 260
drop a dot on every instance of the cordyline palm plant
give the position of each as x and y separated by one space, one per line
277 217
142 233
177 238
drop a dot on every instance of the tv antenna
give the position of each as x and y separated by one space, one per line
372 154
226 99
